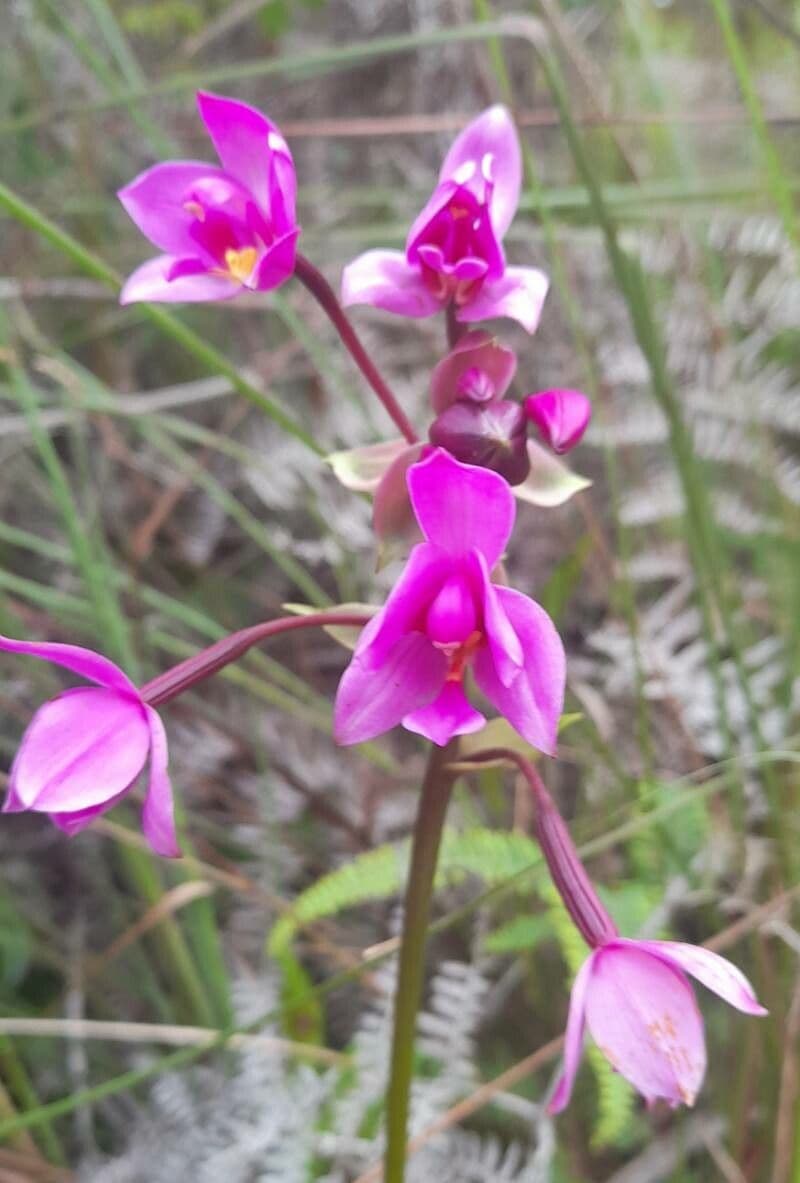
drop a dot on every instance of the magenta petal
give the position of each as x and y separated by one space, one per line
408 603
713 971
79 750
12 803
504 643
73 823
491 142
373 699
385 279
519 294
156 201
448 715
642 1014
276 264
533 702
561 417
152 282
158 821
461 507
84 662
573 1039
253 150
477 351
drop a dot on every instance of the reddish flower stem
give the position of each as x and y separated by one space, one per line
568 873
210 661
325 296
455 329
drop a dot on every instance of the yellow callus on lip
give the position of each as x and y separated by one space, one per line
240 264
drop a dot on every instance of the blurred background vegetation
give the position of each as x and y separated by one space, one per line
157 489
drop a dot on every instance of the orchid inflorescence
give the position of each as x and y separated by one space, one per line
447 504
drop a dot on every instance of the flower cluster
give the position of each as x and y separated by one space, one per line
451 631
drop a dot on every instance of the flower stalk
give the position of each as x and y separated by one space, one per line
568 873
323 293
434 799
210 661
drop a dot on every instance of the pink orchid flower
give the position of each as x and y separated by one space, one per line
637 1002
454 251
445 616
83 750
224 230
561 417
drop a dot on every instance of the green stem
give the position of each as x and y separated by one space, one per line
773 168
428 828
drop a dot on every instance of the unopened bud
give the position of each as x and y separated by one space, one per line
490 435
561 417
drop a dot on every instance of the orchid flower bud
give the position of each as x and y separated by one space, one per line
561 417
478 368
490 435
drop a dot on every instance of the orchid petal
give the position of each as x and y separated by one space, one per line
477 350
533 701
253 150
276 264
159 201
519 294
404 611
74 823
362 469
158 821
491 141
152 282
84 662
79 750
642 1013
549 482
573 1039
385 279
448 715
461 507
713 971
373 699
436 204
504 643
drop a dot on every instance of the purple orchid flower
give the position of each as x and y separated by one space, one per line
224 230
83 750
454 252
561 417
445 616
637 1002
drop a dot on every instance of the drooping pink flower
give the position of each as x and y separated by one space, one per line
83 750
637 1002
561 417
454 249
224 230
446 617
